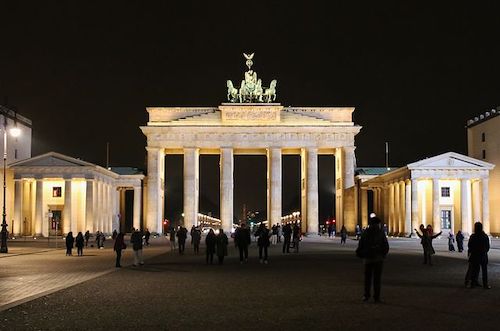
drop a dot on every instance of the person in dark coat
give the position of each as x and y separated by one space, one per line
87 237
460 241
172 239
287 237
451 241
70 240
147 235
182 236
373 248
343 234
210 246
79 242
196 239
114 234
136 241
221 246
479 245
263 242
118 247
296 234
242 240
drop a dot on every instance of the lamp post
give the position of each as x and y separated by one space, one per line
15 132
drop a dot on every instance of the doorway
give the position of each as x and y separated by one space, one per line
445 219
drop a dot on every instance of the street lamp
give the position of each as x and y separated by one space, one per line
15 132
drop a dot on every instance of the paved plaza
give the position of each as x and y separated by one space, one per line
319 288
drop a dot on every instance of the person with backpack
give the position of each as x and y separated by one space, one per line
373 248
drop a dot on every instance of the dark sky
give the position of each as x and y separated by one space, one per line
85 71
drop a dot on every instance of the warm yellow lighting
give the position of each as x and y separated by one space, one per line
15 132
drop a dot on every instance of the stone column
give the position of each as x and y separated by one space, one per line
39 208
364 208
312 191
375 201
436 219
274 186
89 206
397 211
476 201
414 205
137 207
486 205
18 207
117 215
154 215
226 187
408 202
303 192
391 208
191 188
465 206
402 207
67 219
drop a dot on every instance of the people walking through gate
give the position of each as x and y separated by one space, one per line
287 237
147 235
221 246
182 236
274 236
172 239
343 234
451 241
373 248
426 242
136 241
87 237
263 242
242 240
210 246
280 233
70 240
296 234
479 245
196 239
118 247
79 242
460 241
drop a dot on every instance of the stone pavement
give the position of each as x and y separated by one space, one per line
319 288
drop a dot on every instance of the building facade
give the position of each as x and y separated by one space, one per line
483 143
449 191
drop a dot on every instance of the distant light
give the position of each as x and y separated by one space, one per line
372 215
15 132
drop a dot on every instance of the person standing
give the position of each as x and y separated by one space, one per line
221 245
263 242
87 237
242 240
460 241
210 246
451 241
279 233
191 234
70 240
330 230
426 241
274 237
147 235
287 236
136 241
118 247
172 236
479 245
343 234
79 242
373 248
182 236
196 239
113 236
358 231
296 234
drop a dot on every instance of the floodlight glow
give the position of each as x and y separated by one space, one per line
15 132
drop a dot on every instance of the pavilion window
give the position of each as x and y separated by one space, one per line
445 192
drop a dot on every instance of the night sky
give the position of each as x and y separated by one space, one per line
84 71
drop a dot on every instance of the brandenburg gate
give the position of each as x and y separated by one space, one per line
251 122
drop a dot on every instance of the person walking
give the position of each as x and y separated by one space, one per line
426 242
330 230
280 233
196 239
242 240
97 238
451 241
460 241
172 236
87 237
358 231
343 234
287 237
479 245
373 248
182 236
191 234
210 246
114 234
118 247
79 242
147 235
263 242
70 240
221 246
296 234
136 241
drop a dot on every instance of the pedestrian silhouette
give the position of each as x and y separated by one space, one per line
479 245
